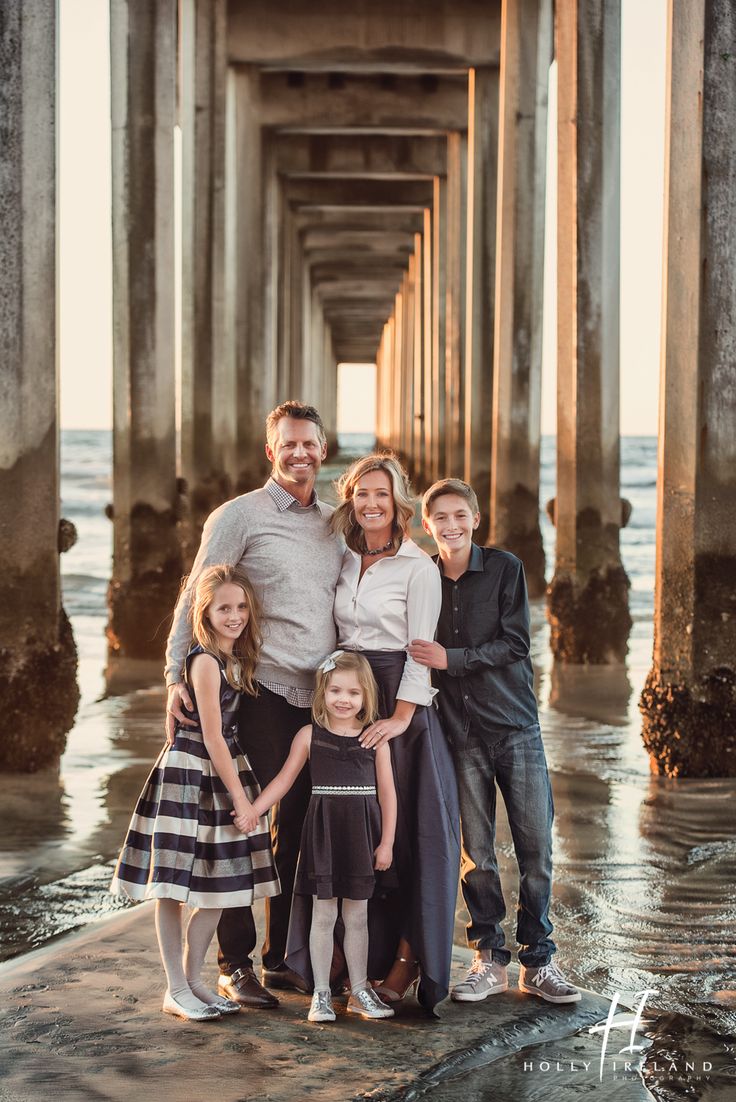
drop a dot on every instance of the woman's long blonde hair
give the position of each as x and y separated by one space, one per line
344 661
240 666
343 519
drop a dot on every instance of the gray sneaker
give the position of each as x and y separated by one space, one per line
321 1008
548 983
484 978
368 1004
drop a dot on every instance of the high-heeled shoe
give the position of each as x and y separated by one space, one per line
201 1014
389 995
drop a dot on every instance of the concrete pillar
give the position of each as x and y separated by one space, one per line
455 243
202 106
147 560
437 428
526 54
588 596
481 268
689 701
417 410
407 366
397 385
427 348
328 401
38 689
223 373
254 379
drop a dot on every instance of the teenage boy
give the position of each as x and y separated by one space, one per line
488 708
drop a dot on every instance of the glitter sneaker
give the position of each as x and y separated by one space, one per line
321 1008
367 1003
484 978
548 983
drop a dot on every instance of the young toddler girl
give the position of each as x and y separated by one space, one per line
182 846
348 833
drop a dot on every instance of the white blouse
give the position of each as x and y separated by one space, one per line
398 599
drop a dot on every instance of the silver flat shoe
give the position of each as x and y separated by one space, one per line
226 1006
204 1014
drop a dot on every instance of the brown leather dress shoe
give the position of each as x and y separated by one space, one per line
284 979
243 987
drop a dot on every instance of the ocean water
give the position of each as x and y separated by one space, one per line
645 868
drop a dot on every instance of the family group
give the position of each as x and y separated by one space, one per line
342 710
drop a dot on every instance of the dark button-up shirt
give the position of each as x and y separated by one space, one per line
488 686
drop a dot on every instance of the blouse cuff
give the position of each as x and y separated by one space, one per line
421 695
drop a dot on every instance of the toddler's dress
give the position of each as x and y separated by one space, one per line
342 827
182 842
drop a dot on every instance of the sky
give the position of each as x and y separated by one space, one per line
85 249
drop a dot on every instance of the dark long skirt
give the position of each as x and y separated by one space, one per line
426 852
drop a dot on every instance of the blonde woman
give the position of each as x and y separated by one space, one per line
389 594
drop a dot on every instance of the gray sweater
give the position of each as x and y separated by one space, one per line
293 561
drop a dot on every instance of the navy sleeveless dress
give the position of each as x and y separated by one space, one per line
342 827
182 843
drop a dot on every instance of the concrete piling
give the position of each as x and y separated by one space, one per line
38 658
147 556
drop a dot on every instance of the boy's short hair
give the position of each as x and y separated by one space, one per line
449 486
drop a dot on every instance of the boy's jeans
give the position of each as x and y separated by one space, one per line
518 766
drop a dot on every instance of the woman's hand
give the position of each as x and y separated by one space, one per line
384 855
383 730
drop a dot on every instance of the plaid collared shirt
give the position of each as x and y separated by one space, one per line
297 697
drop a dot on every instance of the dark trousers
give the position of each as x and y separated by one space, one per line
517 765
267 724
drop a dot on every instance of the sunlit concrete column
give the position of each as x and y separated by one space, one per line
396 376
438 427
38 689
689 701
526 54
588 596
328 399
417 427
254 376
455 245
427 349
202 108
407 366
481 269
147 560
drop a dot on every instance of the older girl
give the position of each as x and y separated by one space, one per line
182 846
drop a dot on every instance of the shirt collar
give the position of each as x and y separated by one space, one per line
284 500
475 564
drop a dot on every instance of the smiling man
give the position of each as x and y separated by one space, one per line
280 535
486 700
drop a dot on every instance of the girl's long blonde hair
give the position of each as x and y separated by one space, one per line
345 661
343 519
240 666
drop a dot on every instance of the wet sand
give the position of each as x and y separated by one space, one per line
645 868
81 1020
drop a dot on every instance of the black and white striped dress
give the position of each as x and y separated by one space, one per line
181 842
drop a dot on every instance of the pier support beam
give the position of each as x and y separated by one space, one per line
147 560
588 596
526 55
689 701
38 688
202 114
481 271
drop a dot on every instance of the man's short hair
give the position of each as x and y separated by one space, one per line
449 486
300 412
